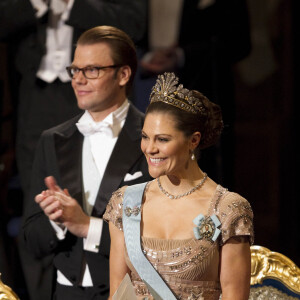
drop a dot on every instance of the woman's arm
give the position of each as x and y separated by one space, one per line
117 264
235 269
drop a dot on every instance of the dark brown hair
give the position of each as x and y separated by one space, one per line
209 122
123 50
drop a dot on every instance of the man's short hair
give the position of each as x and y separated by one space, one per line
123 51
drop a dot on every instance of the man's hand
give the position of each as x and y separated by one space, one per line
60 207
159 61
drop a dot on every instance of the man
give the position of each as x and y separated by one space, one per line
41 35
91 156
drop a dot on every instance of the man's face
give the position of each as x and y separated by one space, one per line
106 91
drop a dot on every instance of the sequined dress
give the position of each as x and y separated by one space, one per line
190 266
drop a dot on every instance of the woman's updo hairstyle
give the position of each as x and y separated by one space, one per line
192 111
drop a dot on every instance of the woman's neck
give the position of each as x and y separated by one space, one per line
181 182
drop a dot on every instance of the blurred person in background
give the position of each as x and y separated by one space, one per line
199 40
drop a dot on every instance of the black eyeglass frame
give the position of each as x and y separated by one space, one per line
85 68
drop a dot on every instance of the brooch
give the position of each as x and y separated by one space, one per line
207 227
131 211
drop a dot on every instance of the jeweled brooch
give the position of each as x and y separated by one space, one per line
207 227
132 211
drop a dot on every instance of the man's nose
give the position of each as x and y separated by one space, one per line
80 78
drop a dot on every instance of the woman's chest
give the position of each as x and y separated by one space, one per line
173 221
189 259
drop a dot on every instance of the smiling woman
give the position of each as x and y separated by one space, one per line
180 122
180 236
165 147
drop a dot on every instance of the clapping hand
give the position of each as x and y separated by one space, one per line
61 208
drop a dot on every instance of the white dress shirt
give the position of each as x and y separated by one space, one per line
164 23
97 149
58 40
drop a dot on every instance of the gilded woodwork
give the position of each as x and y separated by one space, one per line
6 293
273 265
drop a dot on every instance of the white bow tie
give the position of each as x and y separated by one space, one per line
88 129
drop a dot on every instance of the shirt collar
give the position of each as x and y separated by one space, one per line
113 118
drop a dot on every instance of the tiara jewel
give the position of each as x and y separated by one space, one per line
166 90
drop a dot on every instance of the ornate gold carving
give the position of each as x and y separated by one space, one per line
6 293
267 264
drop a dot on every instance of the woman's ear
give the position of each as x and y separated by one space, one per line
124 75
195 140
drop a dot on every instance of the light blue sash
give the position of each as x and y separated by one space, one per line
131 225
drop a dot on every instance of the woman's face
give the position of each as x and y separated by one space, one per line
167 149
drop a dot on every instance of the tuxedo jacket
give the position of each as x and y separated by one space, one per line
59 153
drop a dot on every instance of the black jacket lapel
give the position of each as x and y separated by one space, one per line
69 158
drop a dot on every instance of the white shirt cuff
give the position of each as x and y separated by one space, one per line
92 241
60 230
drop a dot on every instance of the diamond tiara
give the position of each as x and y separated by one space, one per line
166 90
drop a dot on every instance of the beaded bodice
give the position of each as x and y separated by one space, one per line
190 266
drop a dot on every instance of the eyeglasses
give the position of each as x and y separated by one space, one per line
91 72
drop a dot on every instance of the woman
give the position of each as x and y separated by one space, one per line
195 234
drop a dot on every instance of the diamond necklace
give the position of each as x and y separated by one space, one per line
182 195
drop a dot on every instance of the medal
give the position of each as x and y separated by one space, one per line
207 227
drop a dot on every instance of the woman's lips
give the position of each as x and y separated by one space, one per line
156 161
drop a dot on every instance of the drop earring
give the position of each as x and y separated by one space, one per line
193 155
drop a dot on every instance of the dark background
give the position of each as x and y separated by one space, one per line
266 162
